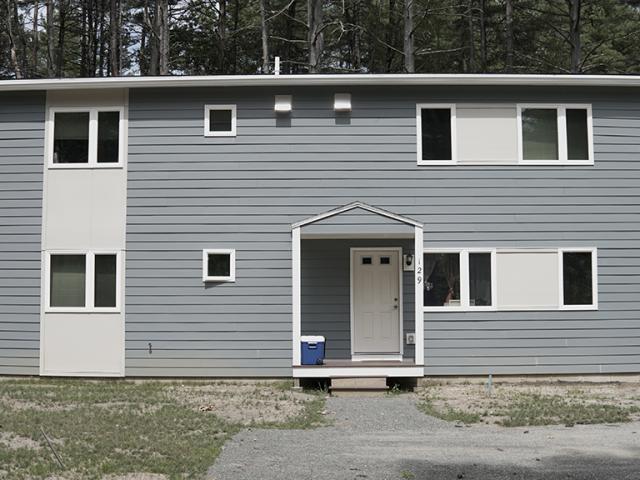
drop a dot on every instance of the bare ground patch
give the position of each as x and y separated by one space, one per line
519 404
244 403
13 441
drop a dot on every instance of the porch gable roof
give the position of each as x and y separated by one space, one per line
353 206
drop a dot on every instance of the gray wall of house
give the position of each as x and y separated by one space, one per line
187 192
325 292
21 168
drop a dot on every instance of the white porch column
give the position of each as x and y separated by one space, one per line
295 283
419 293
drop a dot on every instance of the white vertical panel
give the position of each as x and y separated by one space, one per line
419 292
295 282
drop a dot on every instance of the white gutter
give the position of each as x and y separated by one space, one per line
318 80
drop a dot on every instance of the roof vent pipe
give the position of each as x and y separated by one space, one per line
276 70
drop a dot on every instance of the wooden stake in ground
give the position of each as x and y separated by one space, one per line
52 449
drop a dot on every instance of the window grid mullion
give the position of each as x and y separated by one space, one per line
93 136
464 279
90 284
563 154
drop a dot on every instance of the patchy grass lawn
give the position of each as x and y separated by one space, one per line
522 404
136 430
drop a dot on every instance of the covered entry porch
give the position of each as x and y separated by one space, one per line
357 281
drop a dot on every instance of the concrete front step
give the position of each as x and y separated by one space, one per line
361 384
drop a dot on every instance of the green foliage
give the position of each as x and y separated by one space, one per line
224 37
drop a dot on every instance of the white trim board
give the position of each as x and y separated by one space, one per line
363 371
352 206
322 79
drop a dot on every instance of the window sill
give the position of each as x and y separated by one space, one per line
218 280
563 163
84 166
80 310
510 309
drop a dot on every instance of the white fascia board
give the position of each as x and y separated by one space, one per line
329 79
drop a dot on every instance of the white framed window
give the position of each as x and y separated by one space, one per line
459 279
219 265
80 281
578 278
553 134
219 120
436 133
80 137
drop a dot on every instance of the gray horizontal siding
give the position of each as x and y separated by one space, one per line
21 169
187 192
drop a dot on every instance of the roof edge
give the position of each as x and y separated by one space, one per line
324 79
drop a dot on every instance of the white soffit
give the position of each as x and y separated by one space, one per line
342 102
283 104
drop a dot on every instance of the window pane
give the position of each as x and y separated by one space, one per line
436 133
105 281
219 265
108 137
540 134
220 120
442 284
577 281
67 280
71 137
479 279
577 137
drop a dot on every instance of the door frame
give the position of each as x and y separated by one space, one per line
392 356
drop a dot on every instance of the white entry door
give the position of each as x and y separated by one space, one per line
376 303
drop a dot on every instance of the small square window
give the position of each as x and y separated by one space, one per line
219 266
220 120
367 261
385 260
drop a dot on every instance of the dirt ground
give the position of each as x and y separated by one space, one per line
244 403
543 403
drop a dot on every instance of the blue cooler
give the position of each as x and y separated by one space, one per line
312 350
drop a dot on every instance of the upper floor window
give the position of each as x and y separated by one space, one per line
219 120
219 265
436 134
81 137
555 134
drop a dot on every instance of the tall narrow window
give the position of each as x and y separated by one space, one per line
105 289
67 281
577 134
435 134
540 134
108 137
71 137
480 279
442 279
577 278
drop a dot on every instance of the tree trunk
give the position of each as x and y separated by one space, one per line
509 36
114 36
36 39
316 35
50 59
409 58
11 22
222 34
101 38
62 9
265 36
483 35
86 20
163 36
291 14
574 34
472 45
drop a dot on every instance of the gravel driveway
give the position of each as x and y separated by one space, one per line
388 438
